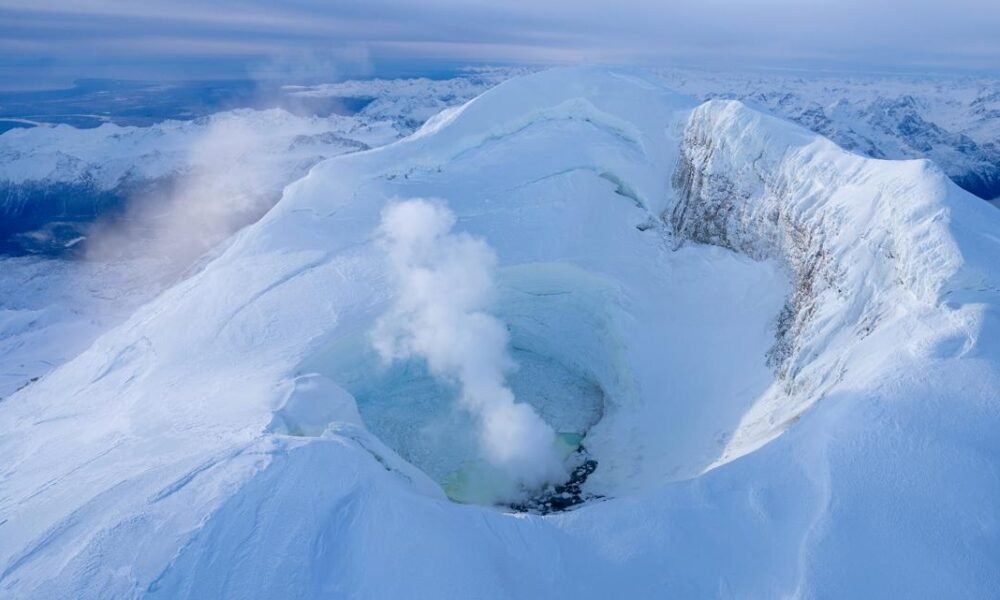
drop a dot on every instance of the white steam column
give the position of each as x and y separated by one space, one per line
444 283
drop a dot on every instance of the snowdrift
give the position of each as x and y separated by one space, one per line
783 357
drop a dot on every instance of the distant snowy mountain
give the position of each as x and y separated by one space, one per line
408 103
780 357
56 180
954 121
63 174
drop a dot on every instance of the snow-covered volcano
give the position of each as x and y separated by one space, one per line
782 358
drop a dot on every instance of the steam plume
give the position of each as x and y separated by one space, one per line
228 184
444 283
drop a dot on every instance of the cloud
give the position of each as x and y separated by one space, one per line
444 282
74 36
224 187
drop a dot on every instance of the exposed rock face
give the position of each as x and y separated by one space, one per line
753 184
744 211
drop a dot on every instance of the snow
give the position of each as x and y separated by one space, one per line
112 155
50 311
186 186
224 170
953 120
408 103
793 349
109 154
444 282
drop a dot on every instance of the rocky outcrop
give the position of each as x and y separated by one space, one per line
841 224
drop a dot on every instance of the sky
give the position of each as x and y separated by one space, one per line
52 42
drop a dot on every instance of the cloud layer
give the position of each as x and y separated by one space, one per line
228 38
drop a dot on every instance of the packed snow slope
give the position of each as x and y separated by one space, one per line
784 357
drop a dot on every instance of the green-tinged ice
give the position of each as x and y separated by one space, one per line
568 442
479 482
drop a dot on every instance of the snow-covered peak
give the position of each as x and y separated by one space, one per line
950 120
763 187
682 286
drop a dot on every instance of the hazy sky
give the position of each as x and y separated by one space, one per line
48 41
